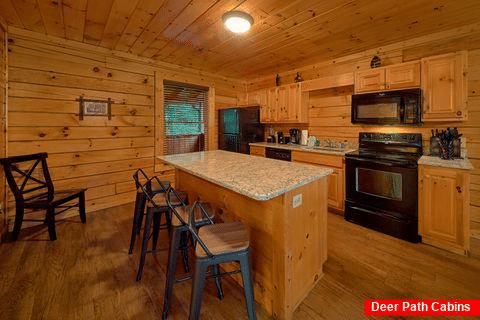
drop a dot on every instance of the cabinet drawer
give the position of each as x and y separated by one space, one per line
316 158
257 151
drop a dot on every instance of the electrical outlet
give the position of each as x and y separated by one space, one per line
297 201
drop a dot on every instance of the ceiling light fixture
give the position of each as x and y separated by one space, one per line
237 21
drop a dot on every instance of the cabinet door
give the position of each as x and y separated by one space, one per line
370 80
443 216
335 189
268 112
257 151
282 106
405 75
444 84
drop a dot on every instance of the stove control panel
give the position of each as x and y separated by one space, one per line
408 138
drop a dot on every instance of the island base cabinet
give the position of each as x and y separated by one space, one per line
288 238
443 208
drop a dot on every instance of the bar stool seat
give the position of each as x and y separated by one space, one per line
223 238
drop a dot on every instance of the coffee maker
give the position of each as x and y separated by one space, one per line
295 136
280 137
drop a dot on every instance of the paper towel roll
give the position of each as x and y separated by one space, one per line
304 138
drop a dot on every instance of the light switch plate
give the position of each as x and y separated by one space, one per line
297 201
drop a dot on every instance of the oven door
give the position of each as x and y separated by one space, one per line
382 184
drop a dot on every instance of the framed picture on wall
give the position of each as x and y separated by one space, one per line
91 107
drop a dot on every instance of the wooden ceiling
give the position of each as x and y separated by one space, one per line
287 34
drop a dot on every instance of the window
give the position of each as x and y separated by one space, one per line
185 114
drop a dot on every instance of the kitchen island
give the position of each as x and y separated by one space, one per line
284 206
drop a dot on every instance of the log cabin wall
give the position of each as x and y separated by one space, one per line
329 113
3 120
48 75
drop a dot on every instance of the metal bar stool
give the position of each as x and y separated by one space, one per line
202 215
140 178
216 243
157 206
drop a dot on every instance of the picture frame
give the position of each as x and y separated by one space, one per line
93 107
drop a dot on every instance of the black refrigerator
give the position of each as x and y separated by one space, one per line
238 127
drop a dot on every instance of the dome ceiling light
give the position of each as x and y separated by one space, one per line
237 21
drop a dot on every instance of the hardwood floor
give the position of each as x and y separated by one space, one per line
87 274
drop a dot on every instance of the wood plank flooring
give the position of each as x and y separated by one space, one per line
87 274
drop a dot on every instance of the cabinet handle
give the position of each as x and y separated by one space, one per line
459 113
459 189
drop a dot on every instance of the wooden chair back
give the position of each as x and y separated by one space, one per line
28 177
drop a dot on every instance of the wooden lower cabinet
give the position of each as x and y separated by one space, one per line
257 151
336 185
443 208
335 181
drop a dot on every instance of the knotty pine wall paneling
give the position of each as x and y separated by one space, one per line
329 112
48 75
3 124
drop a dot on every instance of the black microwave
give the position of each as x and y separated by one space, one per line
399 107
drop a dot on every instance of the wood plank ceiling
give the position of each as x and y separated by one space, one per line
287 34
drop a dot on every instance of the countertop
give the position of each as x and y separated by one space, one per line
255 177
438 162
299 147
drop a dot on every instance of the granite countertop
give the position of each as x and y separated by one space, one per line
255 177
438 162
298 147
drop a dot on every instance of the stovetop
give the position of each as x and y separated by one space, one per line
401 148
384 155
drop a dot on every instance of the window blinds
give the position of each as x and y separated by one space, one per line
186 118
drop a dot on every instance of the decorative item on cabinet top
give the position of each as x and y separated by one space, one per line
298 77
375 62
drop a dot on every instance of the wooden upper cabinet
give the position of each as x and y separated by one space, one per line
285 104
397 76
443 208
404 75
444 84
268 112
370 80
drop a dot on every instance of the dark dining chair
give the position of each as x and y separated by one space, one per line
30 182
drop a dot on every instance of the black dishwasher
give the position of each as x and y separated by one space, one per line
278 154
